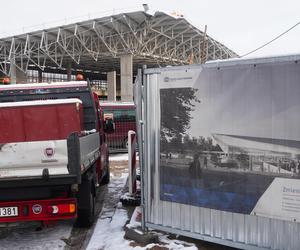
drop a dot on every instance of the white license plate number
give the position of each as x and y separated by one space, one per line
8 211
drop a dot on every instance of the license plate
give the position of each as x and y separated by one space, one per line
8 211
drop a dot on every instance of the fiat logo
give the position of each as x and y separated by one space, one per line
49 152
37 209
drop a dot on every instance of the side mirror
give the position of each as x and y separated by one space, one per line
109 126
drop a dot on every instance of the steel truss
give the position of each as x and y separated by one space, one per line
156 40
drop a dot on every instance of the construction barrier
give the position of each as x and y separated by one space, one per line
220 151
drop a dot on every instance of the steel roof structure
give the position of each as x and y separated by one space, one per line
96 45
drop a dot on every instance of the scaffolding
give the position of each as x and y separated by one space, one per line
96 45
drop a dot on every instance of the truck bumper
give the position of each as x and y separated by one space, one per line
38 210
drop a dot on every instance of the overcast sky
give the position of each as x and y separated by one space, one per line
239 24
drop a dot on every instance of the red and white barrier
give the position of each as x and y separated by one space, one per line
132 161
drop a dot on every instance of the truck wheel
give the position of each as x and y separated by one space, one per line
106 178
86 216
125 143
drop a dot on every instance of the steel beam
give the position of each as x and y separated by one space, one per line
157 39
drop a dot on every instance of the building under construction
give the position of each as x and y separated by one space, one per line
108 50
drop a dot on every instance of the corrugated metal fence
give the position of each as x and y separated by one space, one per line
223 227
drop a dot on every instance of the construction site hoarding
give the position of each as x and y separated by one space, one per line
222 151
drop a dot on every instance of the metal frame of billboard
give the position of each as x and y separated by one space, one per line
226 228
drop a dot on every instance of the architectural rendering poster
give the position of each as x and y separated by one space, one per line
231 141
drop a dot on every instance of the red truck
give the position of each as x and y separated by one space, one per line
53 153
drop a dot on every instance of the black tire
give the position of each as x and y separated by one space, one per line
106 178
86 215
125 143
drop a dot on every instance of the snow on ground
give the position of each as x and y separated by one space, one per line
112 218
53 237
118 157
109 235
29 238
121 157
174 244
110 228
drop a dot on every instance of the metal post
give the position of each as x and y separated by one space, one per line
140 126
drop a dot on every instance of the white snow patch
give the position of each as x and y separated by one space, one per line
110 228
28 238
109 234
40 102
118 157
176 244
127 196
